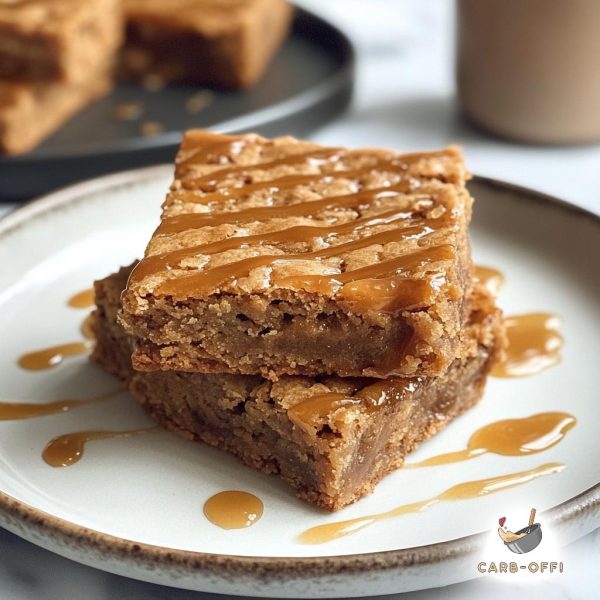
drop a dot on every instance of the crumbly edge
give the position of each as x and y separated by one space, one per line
345 455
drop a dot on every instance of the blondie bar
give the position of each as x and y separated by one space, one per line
281 257
331 439
226 43
58 40
31 111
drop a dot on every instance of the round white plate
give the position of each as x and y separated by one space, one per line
134 506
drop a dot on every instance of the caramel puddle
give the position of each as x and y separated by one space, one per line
233 509
46 358
83 299
512 437
490 278
65 450
463 491
27 410
534 344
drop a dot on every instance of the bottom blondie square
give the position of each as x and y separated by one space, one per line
332 439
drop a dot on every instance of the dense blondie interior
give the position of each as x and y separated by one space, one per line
331 439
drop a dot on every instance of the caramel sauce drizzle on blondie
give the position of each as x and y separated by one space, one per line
410 229
363 199
369 283
307 413
208 280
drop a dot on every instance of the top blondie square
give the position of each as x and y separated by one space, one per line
283 257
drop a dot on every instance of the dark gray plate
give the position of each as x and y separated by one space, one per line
308 83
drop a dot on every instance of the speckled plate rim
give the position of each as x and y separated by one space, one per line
572 518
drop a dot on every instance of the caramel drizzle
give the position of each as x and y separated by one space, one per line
83 299
231 145
363 199
286 182
66 450
511 437
307 413
490 278
220 148
316 157
534 344
233 509
202 282
463 491
409 229
26 410
46 358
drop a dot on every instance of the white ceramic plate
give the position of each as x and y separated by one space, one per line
134 506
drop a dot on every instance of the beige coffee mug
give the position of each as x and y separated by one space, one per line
530 69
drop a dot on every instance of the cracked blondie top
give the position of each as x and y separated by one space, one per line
280 256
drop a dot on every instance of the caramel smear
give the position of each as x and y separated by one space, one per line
233 509
46 358
66 450
83 299
463 491
534 344
307 413
490 278
512 437
27 410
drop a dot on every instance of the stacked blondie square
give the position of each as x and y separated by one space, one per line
310 310
57 56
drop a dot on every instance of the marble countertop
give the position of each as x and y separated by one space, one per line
404 99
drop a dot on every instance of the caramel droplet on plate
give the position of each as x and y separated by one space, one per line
233 509
46 358
83 299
